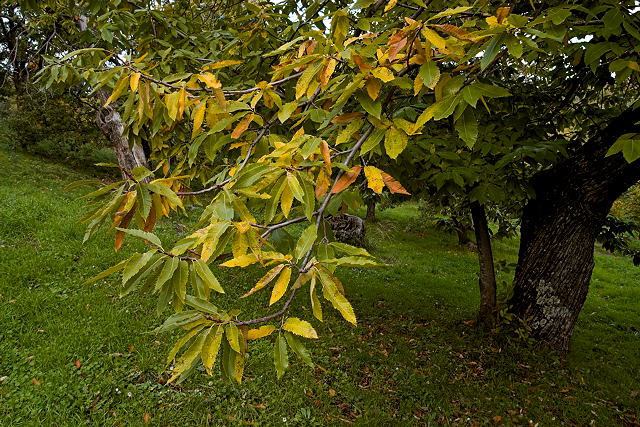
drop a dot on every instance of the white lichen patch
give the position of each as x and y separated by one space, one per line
551 305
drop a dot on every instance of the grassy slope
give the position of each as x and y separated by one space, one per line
412 359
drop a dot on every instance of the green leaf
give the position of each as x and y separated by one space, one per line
286 111
135 263
306 240
170 266
350 250
280 356
430 74
211 347
188 358
207 276
202 305
299 349
295 187
372 141
491 51
109 271
316 308
467 127
179 319
182 341
370 106
629 145
180 279
164 190
150 237
300 327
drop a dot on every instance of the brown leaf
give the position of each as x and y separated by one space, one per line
151 221
332 392
146 418
78 363
345 118
454 31
393 185
502 14
35 382
346 180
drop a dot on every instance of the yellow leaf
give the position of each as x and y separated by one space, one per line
182 100
122 83
262 331
300 327
198 118
434 38
241 261
395 141
240 245
374 178
390 5
210 80
265 280
373 88
211 347
417 85
286 200
326 155
383 74
327 71
306 77
281 286
425 116
221 64
133 81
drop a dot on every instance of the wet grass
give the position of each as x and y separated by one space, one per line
73 354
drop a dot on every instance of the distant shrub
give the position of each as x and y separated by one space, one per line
55 126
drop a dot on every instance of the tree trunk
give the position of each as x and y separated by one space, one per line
487 280
371 210
559 229
110 122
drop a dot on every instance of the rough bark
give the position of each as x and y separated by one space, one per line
559 229
487 279
110 123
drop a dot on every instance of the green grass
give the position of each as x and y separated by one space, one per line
411 360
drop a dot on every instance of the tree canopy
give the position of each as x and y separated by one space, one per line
270 112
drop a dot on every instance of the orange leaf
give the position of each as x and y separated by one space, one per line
326 155
373 87
395 48
35 382
454 31
322 183
345 118
393 185
242 126
146 418
363 66
78 364
346 180
123 224
151 221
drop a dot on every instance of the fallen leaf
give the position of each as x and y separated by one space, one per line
78 364
146 418
332 392
35 382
